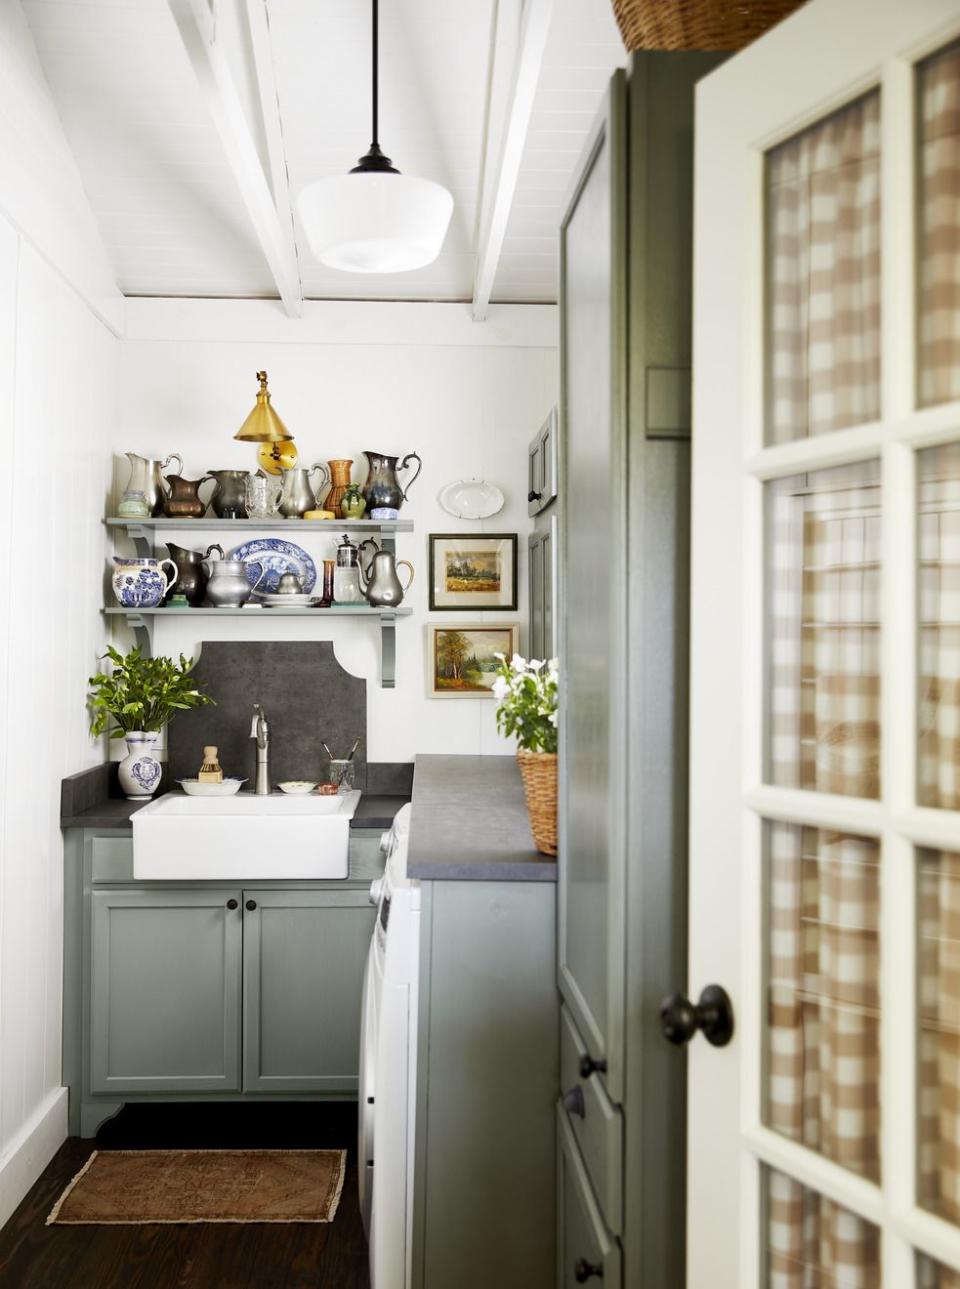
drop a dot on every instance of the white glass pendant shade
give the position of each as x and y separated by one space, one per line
375 222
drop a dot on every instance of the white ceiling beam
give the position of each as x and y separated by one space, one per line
272 224
502 166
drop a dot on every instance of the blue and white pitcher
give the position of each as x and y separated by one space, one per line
141 583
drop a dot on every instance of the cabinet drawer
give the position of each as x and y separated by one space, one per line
586 1249
596 1124
111 859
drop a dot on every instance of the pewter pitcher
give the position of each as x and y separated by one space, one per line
229 496
146 476
297 495
380 582
382 489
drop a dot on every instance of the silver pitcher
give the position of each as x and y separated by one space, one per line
380 582
146 476
297 496
228 587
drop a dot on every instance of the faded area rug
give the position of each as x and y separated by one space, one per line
134 1187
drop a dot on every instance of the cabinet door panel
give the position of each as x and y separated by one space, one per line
594 653
536 595
303 961
586 1250
165 991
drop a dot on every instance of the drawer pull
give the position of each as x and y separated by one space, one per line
589 1066
574 1103
712 1013
232 904
251 905
584 1271
534 496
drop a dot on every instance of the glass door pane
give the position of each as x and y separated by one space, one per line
823 606
934 1275
939 583
938 221
822 1081
823 275
813 1243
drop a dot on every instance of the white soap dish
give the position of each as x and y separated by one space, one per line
228 788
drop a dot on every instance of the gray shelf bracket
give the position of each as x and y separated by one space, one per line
388 651
142 628
142 540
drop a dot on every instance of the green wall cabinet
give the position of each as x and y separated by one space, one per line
303 959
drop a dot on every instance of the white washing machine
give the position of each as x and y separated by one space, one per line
388 1065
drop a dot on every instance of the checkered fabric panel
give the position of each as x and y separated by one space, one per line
823 275
813 1243
933 1275
823 1023
939 227
823 598
939 585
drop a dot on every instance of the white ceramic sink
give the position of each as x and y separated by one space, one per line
243 838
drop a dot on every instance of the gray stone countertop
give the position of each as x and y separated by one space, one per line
470 823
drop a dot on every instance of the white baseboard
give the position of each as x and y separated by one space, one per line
31 1150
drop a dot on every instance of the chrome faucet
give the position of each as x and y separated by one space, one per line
260 730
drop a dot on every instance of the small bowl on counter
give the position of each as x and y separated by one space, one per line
296 787
196 788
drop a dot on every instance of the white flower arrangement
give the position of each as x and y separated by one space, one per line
527 701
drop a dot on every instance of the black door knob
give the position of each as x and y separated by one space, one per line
251 905
712 1013
232 904
574 1103
584 1271
589 1066
534 496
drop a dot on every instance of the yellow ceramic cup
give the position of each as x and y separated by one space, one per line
319 514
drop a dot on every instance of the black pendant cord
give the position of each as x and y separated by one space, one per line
374 162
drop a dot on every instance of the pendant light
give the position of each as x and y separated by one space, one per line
263 425
374 219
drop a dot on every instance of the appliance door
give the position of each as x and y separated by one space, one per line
369 1027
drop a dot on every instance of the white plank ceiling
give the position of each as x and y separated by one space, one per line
167 202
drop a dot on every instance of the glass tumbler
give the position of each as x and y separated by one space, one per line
261 496
342 773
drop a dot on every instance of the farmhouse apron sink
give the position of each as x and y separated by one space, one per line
243 838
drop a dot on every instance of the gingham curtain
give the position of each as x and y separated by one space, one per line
939 219
823 275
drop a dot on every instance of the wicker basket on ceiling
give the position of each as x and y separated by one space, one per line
697 24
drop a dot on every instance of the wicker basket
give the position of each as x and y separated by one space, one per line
539 773
697 24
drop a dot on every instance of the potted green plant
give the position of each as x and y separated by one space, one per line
527 707
140 696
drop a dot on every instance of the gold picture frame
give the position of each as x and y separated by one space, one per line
460 657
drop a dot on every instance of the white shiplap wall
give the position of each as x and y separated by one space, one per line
349 376
57 389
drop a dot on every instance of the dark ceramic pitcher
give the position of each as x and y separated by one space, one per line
191 576
382 489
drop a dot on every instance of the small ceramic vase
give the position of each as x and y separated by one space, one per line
354 504
140 771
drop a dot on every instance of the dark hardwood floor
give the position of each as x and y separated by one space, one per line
255 1256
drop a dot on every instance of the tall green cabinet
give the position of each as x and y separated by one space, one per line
626 252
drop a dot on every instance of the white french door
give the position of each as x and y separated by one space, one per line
824 1139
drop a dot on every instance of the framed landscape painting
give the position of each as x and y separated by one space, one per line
462 660
473 571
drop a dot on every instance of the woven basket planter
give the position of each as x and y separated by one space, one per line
697 24
539 773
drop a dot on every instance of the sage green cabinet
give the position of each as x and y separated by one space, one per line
586 1250
165 991
303 961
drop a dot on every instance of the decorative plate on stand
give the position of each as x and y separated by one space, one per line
471 499
273 556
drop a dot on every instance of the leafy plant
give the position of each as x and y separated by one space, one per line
528 701
142 693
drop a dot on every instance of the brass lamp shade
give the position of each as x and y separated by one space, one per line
263 425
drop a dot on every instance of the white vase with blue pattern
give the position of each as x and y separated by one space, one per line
140 770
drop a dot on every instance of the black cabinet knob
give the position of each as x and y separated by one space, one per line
712 1013
534 496
584 1271
251 905
232 904
589 1066
574 1103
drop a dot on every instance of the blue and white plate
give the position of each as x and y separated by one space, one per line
272 557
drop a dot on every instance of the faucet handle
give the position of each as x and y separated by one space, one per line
258 723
